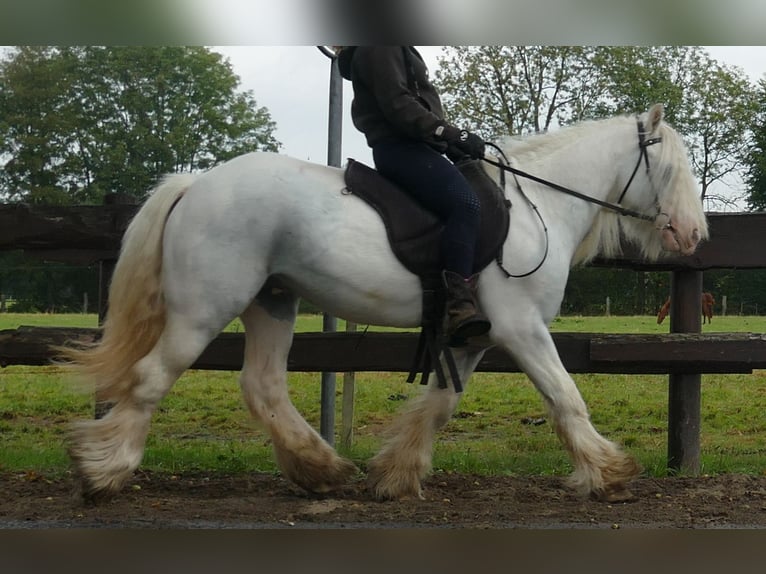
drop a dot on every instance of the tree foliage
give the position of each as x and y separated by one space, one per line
502 90
718 114
756 172
79 122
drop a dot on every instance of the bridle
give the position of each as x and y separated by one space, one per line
643 143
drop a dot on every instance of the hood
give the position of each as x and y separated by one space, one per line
344 61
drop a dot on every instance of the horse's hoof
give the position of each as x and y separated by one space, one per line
92 496
382 495
384 488
322 480
615 494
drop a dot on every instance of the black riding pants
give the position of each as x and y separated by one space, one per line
438 185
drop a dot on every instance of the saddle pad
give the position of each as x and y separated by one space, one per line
414 232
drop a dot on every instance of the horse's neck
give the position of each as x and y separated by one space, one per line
585 159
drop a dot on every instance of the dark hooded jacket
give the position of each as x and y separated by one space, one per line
393 97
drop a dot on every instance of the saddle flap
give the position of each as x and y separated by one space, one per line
413 231
408 219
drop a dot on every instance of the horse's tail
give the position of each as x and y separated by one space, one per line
136 313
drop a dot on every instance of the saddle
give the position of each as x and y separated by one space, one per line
414 234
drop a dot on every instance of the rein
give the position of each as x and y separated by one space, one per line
505 166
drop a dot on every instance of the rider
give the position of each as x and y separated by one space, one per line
400 113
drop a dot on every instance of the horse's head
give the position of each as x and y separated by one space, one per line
670 189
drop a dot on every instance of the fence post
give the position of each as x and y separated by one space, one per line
684 388
347 414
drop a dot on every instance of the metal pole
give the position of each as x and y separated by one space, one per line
330 323
335 123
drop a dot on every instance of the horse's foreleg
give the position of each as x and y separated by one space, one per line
405 459
302 455
601 468
106 451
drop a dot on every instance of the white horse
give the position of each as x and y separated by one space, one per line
249 237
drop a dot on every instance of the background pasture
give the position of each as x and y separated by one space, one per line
498 428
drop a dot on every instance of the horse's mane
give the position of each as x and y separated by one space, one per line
535 148
609 229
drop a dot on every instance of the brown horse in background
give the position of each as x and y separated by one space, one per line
707 308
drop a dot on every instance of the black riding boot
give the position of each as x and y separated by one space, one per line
463 319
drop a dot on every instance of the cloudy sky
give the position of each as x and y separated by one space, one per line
293 83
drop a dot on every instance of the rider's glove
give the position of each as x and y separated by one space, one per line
463 140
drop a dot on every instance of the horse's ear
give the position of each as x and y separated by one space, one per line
655 115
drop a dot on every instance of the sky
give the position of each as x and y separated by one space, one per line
292 82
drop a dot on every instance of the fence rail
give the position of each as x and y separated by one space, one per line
89 234
93 233
394 352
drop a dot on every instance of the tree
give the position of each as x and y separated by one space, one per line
719 113
638 77
756 160
505 90
30 123
78 122
711 105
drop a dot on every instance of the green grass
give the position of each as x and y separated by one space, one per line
203 425
305 323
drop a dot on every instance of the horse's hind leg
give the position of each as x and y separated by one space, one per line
397 470
106 451
303 456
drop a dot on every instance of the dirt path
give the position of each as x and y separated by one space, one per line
268 501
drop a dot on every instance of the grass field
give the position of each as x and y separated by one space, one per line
203 425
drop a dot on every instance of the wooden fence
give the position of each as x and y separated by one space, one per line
92 234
